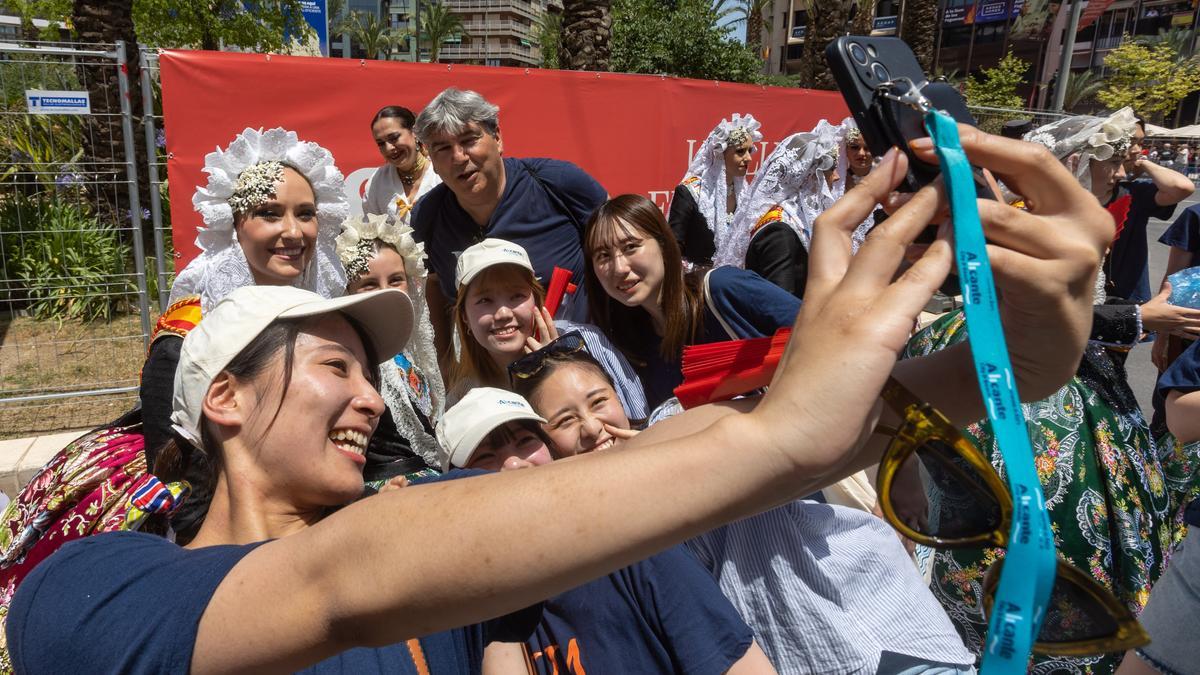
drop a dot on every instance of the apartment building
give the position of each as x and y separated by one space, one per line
498 32
788 21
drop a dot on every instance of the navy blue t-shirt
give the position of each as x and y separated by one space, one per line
748 304
1128 265
1183 375
129 602
665 614
1184 233
546 218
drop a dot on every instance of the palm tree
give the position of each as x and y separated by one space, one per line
106 22
1181 40
372 34
438 24
750 12
918 27
864 17
586 34
827 19
1080 88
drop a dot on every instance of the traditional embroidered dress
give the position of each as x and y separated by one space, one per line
98 483
1115 499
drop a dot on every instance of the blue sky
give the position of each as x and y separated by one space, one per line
739 26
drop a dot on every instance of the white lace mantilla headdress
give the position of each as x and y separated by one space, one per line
355 248
791 178
705 176
1079 139
850 132
243 176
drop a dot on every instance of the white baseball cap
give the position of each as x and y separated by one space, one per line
385 316
486 253
466 424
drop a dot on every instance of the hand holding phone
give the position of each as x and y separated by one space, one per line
871 73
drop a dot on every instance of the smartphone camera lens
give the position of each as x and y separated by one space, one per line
881 72
858 53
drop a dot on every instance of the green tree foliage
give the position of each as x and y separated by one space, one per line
207 24
1150 79
549 35
651 36
998 86
439 23
372 33
1081 88
55 11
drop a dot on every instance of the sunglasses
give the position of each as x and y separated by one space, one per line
939 490
532 363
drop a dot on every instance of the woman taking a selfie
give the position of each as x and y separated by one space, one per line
274 585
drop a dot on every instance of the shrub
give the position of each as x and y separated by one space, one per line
60 263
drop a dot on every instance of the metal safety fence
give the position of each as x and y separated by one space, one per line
75 308
991 119
155 139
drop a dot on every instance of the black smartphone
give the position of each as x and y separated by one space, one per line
867 67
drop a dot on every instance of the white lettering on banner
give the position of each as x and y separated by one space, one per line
662 198
58 102
356 188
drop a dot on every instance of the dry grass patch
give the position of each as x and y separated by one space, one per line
48 357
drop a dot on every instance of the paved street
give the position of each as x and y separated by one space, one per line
1142 373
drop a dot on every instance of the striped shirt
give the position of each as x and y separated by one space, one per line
625 379
827 589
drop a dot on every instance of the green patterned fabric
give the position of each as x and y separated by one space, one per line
1115 502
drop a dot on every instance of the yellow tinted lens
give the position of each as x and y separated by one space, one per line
939 494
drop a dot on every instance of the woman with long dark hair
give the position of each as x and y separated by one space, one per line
641 298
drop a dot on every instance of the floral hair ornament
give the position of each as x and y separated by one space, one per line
1087 138
356 244
242 176
735 131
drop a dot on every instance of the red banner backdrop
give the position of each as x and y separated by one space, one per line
633 133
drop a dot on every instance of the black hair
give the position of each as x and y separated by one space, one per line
500 435
181 460
406 116
528 387
1141 122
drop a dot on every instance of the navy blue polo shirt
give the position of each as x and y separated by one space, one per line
544 216
1128 266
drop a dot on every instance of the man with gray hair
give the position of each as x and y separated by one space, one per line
541 204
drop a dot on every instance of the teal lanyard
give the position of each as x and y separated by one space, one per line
1030 563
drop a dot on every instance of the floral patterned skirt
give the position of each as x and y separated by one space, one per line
1115 499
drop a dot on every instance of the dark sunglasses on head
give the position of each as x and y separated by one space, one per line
532 363
939 490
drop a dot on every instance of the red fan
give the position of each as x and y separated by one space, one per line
721 370
560 285
1119 210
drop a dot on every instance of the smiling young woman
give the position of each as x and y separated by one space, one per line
500 315
641 298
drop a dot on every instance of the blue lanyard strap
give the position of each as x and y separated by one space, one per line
1030 563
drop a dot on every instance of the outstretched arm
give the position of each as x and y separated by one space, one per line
371 575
